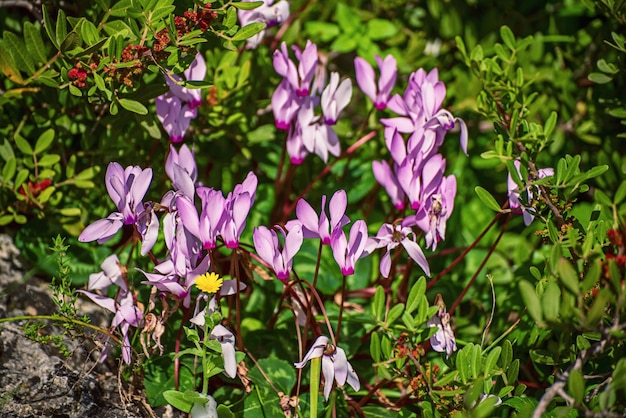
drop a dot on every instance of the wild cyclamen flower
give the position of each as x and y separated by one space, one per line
176 108
299 77
379 93
434 214
270 13
390 236
443 340
320 227
514 192
236 207
335 365
123 305
227 341
335 98
127 188
346 252
181 168
209 282
268 247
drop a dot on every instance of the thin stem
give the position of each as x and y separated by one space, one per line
482 264
464 253
63 319
343 296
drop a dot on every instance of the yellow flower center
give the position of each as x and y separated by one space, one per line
209 282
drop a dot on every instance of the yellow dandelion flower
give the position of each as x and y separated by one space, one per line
209 282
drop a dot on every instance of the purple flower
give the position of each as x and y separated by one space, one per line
433 215
379 93
385 176
346 252
175 116
206 225
270 13
268 247
335 98
299 77
285 105
176 108
390 236
320 227
514 192
443 340
317 137
123 306
335 365
236 207
181 168
127 188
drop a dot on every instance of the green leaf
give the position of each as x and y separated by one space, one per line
550 124
87 173
576 385
22 175
23 145
378 29
48 160
375 347
248 31
8 66
529 295
44 141
247 5
551 301
231 17
378 306
415 294
120 9
599 78
492 360
34 43
177 400
8 171
487 199
47 24
508 37
568 276
513 371
20 54
133 106
324 31
71 41
61 28
394 313
507 354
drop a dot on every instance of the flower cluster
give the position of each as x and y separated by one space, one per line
296 97
413 138
176 108
189 234
346 250
270 13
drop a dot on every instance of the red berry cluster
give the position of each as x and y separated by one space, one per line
78 75
34 189
143 55
190 21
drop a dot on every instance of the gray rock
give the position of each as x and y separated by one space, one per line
35 379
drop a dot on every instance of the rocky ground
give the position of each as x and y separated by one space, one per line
37 380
